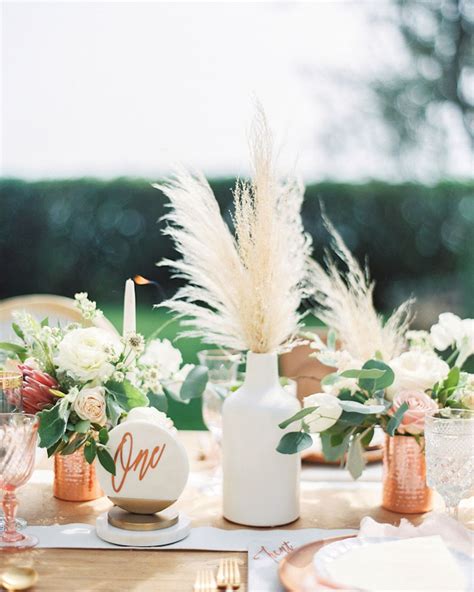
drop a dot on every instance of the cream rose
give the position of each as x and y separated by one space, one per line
419 405
86 354
416 370
325 415
90 404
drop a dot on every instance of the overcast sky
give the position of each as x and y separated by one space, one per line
107 89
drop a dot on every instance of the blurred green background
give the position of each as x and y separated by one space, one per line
61 237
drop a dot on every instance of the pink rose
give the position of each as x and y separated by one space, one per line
419 405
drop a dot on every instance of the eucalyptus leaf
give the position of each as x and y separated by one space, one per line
158 401
103 436
396 419
331 379
355 458
367 373
74 444
127 395
83 426
52 425
13 347
106 460
90 451
297 416
349 418
376 384
114 411
18 332
194 384
334 445
294 442
356 407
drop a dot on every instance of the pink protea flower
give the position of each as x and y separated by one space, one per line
36 389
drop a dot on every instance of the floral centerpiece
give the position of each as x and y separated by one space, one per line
385 375
244 285
81 381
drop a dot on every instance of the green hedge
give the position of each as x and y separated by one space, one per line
86 234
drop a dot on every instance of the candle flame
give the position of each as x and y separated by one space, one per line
142 281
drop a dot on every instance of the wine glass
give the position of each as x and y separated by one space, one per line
222 368
11 402
449 441
18 436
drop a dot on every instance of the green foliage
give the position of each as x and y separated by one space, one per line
335 445
106 460
126 394
396 419
297 416
373 384
90 451
294 442
355 458
194 384
159 402
52 425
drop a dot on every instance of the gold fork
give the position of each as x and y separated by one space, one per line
228 574
205 581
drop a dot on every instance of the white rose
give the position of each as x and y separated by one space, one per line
151 415
325 415
416 370
85 354
90 404
163 356
446 331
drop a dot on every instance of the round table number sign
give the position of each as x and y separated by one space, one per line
151 464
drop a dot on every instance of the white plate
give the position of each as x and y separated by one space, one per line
336 550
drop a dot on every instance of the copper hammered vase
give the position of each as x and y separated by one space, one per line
404 476
75 480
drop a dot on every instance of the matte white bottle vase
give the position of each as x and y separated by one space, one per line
261 486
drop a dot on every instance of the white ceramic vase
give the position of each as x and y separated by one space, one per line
261 486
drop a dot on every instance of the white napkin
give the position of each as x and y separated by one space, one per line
453 533
411 564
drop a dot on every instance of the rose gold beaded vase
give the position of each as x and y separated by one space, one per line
75 480
404 476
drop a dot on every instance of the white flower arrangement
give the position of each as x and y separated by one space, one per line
81 381
386 375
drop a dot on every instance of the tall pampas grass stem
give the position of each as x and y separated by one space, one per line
343 300
243 289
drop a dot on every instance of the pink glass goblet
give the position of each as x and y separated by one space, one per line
18 436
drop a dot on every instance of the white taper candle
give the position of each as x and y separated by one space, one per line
129 312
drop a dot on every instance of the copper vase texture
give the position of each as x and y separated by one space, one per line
75 480
404 476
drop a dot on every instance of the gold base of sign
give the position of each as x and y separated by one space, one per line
141 522
141 506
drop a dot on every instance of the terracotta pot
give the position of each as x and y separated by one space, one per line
75 480
404 476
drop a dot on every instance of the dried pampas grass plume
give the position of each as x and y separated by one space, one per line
343 300
242 291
